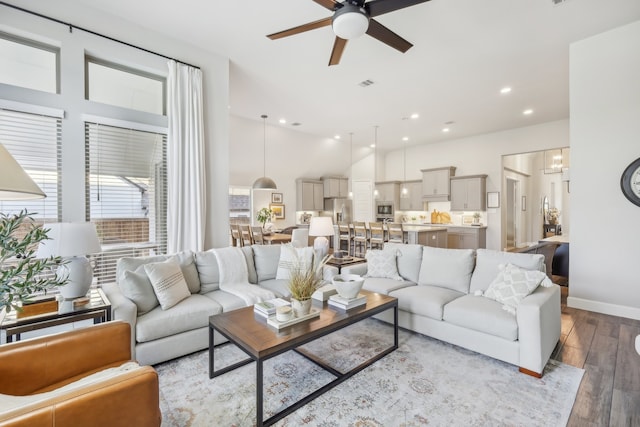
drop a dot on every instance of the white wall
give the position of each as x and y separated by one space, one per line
480 154
605 138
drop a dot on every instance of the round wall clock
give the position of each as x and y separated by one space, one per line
630 182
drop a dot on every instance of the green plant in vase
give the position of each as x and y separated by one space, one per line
304 280
22 274
264 215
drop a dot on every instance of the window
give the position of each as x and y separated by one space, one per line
28 64
34 141
126 195
124 87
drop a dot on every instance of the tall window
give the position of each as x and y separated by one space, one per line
34 141
126 193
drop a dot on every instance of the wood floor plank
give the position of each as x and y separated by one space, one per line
593 401
582 334
627 376
625 409
603 353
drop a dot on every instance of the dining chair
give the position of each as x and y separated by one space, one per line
245 234
257 236
300 237
376 235
360 238
345 236
235 235
396 232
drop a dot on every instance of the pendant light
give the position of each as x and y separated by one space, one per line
404 193
375 162
351 165
264 183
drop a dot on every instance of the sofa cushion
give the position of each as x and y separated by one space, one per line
226 300
266 259
428 301
279 287
136 286
487 262
292 258
513 284
384 286
247 251
207 265
190 313
185 259
447 268
483 315
382 264
409 259
168 282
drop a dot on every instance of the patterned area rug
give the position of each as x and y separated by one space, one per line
424 382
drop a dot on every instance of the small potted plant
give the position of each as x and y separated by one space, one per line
304 280
476 217
22 274
553 216
264 215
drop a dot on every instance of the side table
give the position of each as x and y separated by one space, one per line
341 262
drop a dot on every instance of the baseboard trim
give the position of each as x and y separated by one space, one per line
604 307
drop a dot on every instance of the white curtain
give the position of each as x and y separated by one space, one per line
185 160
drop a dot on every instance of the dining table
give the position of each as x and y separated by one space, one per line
277 238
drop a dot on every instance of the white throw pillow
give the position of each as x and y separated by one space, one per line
382 264
513 284
292 258
168 282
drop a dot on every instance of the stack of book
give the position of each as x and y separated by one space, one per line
268 308
337 301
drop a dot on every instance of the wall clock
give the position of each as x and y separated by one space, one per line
630 182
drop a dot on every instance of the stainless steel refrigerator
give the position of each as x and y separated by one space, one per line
339 210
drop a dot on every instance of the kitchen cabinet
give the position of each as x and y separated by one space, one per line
413 200
389 191
468 193
436 183
335 187
309 195
466 237
436 237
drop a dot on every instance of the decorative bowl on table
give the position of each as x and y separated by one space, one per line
348 285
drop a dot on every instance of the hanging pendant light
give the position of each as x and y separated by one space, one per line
405 191
375 163
264 183
351 165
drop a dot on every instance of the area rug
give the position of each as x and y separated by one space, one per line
424 382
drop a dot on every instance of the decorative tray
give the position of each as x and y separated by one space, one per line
272 321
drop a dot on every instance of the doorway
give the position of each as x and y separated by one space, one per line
513 225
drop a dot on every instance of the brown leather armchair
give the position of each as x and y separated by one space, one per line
48 381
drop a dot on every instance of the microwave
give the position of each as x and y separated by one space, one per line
384 209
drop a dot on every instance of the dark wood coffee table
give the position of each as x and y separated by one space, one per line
261 342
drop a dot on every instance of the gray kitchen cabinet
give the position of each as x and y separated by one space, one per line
468 193
413 200
309 195
389 191
436 183
433 238
466 237
335 187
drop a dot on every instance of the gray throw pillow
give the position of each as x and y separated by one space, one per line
135 285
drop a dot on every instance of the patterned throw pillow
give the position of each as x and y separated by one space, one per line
168 282
513 284
292 258
382 264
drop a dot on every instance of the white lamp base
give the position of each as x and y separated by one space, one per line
321 246
80 274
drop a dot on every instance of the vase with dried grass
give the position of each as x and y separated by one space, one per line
304 280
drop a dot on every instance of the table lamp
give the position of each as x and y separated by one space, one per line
72 241
321 227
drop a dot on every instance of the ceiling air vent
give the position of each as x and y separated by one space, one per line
365 83
557 2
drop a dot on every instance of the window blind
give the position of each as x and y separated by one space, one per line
126 193
35 142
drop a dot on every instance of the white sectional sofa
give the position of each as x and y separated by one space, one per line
437 297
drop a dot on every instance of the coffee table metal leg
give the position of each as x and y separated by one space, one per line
210 352
259 402
395 323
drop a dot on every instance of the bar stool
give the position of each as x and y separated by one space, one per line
376 235
396 233
360 238
346 236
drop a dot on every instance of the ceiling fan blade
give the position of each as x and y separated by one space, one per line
385 35
336 52
329 4
379 7
301 28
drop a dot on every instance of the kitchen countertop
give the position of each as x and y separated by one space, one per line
428 225
424 227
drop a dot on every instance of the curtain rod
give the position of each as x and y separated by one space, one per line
71 27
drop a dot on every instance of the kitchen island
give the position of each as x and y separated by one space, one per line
456 236
427 235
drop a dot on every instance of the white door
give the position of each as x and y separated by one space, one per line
363 201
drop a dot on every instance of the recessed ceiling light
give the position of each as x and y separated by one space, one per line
505 90
527 112
282 121
337 137
373 146
405 138
415 115
445 130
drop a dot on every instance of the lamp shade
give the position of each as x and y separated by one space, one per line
69 239
264 183
350 22
321 226
15 183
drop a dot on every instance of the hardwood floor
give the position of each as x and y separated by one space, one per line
604 346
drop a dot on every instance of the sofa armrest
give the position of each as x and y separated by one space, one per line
359 269
539 327
122 308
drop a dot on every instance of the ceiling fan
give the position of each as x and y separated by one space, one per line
353 18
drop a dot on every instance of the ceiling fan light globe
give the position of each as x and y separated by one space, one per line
350 22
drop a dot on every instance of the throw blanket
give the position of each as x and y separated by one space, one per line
234 276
